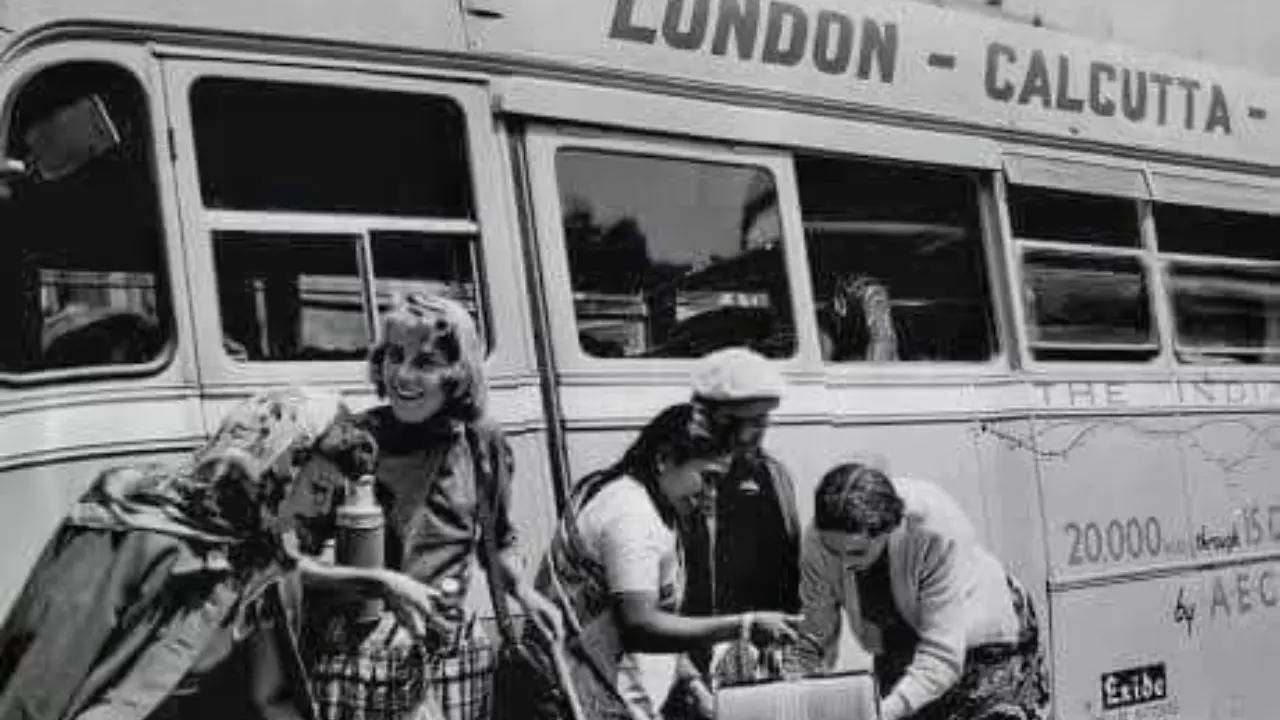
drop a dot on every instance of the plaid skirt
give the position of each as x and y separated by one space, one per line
1001 681
383 673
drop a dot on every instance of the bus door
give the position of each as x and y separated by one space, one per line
315 197
651 253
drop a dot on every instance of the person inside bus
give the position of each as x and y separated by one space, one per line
175 592
616 564
953 636
757 526
861 325
429 365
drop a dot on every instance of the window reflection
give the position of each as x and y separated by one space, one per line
290 297
420 262
1082 307
82 267
284 146
1227 315
1090 302
1223 282
673 258
896 260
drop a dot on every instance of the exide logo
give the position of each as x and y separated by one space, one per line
1135 686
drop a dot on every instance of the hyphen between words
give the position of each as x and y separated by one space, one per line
833 43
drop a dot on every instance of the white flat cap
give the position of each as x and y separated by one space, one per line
736 374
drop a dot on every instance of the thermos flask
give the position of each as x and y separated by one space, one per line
360 529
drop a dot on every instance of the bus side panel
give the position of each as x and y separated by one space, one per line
35 498
1116 522
533 504
1015 526
1231 612
1119 655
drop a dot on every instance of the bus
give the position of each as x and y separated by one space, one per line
1038 269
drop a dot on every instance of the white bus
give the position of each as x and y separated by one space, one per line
1039 270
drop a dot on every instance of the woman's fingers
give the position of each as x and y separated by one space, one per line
413 603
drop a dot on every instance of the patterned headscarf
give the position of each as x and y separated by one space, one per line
220 494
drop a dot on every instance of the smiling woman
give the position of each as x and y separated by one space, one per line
616 565
442 466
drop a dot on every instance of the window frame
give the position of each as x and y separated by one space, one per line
1222 192
544 142
988 223
177 356
495 255
1168 262
1076 173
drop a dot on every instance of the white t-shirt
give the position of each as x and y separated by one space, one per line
624 532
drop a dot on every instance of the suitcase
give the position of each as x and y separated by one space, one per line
837 696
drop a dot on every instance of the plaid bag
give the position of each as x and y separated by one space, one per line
384 674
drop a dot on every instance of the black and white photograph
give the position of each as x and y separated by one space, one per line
639 359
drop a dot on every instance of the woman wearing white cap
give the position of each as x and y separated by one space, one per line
756 524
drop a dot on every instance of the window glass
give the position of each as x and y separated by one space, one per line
82 270
418 262
1086 308
277 146
1091 303
1043 214
1227 314
1209 231
673 258
896 260
290 297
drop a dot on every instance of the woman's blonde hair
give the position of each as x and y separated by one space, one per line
453 333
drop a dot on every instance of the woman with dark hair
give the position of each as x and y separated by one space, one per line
953 636
862 321
441 464
615 565
175 593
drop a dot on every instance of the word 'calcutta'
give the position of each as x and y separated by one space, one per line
781 34
1105 90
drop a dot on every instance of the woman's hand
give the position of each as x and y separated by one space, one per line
413 603
544 613
775 628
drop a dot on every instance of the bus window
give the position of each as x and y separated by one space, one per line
287 146
290 297
1223 273
1085 276
386 172
673 258
896 260
409 262
82 270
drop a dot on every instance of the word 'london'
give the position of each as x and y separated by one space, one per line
827 41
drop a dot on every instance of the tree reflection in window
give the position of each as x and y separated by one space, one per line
673 258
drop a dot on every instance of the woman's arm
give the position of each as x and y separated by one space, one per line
939 656
646 628
536 606
820 606
413 603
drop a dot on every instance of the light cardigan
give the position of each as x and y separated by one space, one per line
947 587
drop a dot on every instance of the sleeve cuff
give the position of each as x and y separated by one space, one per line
894 707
